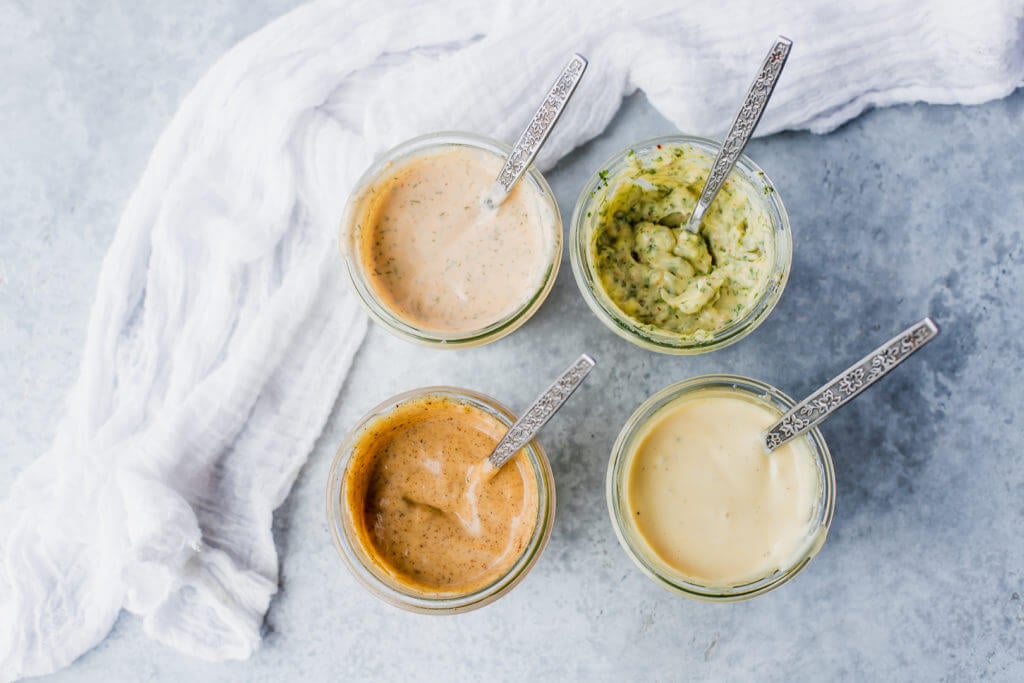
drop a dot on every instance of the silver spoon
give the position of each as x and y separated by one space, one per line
529 143
538 414
518 435
742 128
838 392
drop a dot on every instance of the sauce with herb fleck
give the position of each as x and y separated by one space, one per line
707 500
658 273
439 260
426 505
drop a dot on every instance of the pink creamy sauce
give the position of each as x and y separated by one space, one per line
440 261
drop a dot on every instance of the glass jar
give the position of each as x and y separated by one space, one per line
581 238
625 449
373 303
369 573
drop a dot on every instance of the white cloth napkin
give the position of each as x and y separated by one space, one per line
223 326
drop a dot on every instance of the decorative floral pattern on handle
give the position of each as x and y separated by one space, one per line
843 388
537 415
544 119
742 128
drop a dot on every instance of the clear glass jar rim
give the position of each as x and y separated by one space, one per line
347 547
388 318
621 452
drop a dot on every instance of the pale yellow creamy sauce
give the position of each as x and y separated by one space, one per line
439 260
710 503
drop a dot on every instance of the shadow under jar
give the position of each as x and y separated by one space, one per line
418 515
659 286
699 505
430 262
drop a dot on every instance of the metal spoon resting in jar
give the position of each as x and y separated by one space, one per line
515 439
538 414
529 143
840 390
742 129
518 435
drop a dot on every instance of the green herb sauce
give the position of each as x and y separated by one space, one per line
657 272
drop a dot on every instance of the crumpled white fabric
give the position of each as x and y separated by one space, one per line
223 326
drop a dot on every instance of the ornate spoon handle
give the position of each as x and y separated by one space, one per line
544 119
843 388
742 128
537 415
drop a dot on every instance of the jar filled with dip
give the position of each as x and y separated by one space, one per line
656 284
698 503
418 514
430 261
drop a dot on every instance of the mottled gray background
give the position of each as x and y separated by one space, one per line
907 211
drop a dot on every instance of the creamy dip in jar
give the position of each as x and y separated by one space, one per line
436 264
665 276
425 503
698 502
707 499
658 285
420 516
